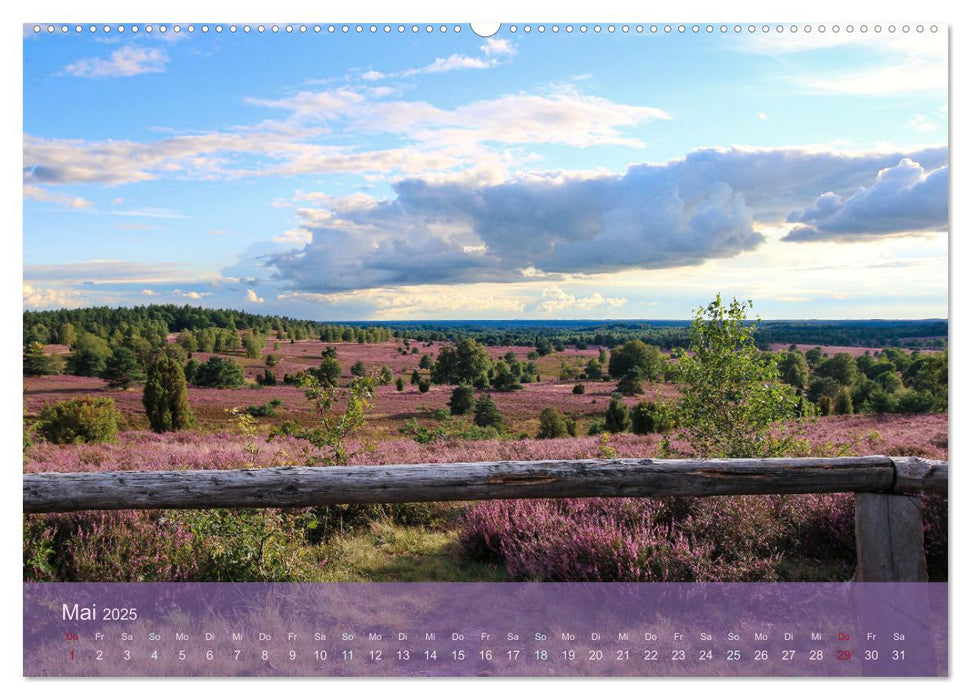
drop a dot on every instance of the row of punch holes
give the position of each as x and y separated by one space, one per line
455 28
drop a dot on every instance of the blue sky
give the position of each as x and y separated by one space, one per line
446 175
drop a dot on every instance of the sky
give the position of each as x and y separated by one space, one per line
445 175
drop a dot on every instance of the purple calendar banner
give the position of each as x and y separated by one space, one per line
488 629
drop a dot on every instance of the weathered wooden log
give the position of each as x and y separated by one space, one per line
889 538
916 475
308 486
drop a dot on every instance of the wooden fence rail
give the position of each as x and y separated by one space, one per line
889 530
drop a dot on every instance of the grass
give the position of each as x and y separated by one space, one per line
387 553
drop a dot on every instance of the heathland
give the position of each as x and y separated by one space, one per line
169 388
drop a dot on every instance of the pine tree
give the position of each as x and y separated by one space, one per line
121 369
487 413
462 400
36 361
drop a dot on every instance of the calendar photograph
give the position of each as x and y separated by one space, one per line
396 323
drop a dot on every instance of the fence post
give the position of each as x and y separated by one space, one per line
889 538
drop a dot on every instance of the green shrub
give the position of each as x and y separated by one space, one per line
462 400
630 383
166 399
423 386
220 373
617 418
553 424
843 405
596 428
579 389
650 417
266 410
86 419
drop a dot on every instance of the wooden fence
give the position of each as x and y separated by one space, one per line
889 530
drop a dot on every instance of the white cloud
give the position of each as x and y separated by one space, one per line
124 62
498 47
252 296
108 272
884 64
477 137
911 77
494 49
149 292
762 116
904 198
420 301
195 296
922 124
555 300
42 195
50 297
712 204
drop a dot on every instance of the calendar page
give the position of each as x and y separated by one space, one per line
427 349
